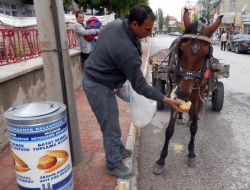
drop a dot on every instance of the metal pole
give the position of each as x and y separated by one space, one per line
56 60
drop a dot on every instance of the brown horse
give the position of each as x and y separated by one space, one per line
190 75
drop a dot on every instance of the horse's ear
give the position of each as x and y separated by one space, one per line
209 30
186 18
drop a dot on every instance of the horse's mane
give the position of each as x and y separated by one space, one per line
192 28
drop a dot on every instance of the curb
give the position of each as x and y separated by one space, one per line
134 133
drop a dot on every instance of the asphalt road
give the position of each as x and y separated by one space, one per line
222 141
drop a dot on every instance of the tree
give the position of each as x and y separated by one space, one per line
180 28
82 3
121 7
206 6
194 17
67 4
156 14
166 23
160 18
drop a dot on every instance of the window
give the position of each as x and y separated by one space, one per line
222 8
232 5
14 13
6 5
7 12
13 7
29 13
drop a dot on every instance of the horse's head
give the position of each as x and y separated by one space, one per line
194 48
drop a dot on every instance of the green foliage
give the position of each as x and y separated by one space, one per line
180 28
67 4
160 18
82 3
194 17
166 23
121 7
206 6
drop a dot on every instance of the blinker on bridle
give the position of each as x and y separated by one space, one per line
196 45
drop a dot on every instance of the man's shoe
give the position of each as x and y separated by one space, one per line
126 153
121 171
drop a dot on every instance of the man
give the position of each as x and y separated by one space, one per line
116 58
80 31
223 41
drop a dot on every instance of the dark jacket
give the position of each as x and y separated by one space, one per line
116 58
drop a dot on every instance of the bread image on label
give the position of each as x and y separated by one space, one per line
20 165
53 160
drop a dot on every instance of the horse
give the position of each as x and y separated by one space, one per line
190 73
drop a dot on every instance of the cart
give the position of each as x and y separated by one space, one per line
162 80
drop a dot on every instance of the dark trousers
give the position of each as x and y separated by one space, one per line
104 105
223 46
84 56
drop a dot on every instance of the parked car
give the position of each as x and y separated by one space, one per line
239 43
175 34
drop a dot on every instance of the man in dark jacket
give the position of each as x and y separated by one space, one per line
116 58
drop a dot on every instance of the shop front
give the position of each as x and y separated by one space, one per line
246 23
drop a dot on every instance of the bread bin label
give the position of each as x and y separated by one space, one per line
41 155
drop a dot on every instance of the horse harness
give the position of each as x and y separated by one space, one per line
200 76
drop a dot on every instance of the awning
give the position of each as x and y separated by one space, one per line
31 21
245 18
228 19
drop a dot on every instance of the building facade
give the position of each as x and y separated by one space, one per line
17 8
236 15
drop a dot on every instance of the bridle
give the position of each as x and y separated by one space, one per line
175 62
201 76
191 75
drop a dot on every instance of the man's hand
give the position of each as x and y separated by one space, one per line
98 31
172 102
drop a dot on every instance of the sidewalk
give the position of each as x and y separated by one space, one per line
90 174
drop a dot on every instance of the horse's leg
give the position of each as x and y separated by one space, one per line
194 112
193 130
158 168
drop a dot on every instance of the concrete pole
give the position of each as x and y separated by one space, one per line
56 61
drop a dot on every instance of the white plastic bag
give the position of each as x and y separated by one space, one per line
142 109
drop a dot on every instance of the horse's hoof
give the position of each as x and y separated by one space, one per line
191 155
158 169
191 162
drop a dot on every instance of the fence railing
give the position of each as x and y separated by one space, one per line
23 44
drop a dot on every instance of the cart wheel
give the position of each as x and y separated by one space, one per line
218 97
159 84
